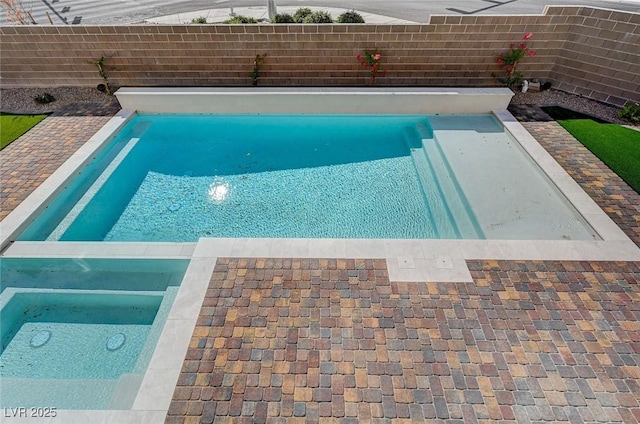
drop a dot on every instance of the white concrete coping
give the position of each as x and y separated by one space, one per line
319 100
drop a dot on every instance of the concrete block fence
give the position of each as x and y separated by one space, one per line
590 51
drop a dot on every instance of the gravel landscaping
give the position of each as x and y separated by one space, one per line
20 100
569 101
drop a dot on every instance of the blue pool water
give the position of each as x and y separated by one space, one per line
79 334
179 178
75 325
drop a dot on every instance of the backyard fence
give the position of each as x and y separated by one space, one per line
589 51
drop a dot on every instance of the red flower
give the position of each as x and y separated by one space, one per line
509 61
371 61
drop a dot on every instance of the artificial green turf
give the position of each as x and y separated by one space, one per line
13 126
617 146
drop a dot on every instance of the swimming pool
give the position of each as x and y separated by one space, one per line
79 333
182 177
415 260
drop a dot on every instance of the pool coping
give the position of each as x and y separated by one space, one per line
407 260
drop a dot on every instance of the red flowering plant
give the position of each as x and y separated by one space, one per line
371 60
509 61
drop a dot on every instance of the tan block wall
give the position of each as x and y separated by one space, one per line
449 51
601 57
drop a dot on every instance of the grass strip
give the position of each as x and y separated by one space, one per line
13 126
618 147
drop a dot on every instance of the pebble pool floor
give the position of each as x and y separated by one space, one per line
323 340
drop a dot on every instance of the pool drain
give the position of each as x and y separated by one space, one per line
115 342
40 338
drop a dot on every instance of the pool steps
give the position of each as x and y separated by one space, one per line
125 391
128 385
57 392
466 223
156 328
446 196
432 193
485 187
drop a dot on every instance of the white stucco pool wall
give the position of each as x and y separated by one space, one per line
268 100
407 260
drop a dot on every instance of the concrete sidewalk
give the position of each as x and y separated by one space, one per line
260 13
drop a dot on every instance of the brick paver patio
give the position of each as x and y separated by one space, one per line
319 340
28 161
322 340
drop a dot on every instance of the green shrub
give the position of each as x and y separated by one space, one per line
44 98
350 17
199 20
283 18
318 17
301 13
240 20
257 65
630 112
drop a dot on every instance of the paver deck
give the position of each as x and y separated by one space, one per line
32 158
304 340
320 340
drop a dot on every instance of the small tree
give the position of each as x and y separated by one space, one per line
257 64
371 60
509 61
103 73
